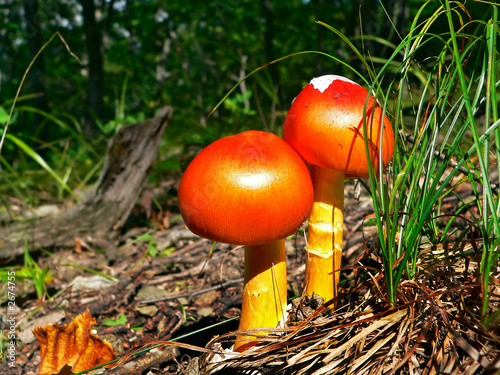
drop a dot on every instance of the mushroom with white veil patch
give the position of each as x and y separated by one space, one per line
325 126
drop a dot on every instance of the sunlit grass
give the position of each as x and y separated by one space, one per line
447 137
59 159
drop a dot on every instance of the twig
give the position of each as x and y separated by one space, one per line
193 294
150 359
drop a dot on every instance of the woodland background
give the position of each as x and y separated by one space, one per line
135 56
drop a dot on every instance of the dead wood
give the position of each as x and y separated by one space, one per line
154 357
129 158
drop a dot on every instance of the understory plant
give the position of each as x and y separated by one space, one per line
445 117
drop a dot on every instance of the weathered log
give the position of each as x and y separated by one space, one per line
129 158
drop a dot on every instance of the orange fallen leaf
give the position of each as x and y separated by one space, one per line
66 370
71 345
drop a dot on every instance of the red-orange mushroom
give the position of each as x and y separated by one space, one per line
325 126
250 189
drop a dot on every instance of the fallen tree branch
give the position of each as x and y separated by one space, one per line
129 158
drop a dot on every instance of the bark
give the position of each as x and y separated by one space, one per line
268 13
93 41
37 72
152 358
129 157
320 11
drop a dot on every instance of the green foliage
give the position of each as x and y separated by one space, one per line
439 130
185 318
37 275
30 273
151 246
39 160
4 116
121 319
239 104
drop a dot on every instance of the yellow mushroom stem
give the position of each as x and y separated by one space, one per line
324 239
264 294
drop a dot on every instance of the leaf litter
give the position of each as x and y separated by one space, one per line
186 295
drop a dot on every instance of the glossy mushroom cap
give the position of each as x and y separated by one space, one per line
247 189
325 126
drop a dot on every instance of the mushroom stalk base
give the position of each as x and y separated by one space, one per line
264 294
324 240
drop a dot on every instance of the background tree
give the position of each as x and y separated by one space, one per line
35 42
94 48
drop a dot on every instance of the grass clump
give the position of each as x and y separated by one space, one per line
446 117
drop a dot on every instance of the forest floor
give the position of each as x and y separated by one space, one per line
167 285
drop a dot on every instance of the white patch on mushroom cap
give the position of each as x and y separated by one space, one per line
323 82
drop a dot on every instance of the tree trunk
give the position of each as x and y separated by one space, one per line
268 13
93 41
37 72
320 11
129 157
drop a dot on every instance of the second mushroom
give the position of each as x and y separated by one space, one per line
325 126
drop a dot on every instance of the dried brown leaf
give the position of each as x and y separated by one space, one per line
73 345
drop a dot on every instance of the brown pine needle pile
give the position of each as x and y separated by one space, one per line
434 328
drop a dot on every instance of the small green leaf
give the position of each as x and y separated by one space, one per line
152 250
4 116
167 251
120 320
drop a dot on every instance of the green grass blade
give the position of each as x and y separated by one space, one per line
38 159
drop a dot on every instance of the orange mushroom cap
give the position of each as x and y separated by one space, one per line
325 126
246 189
